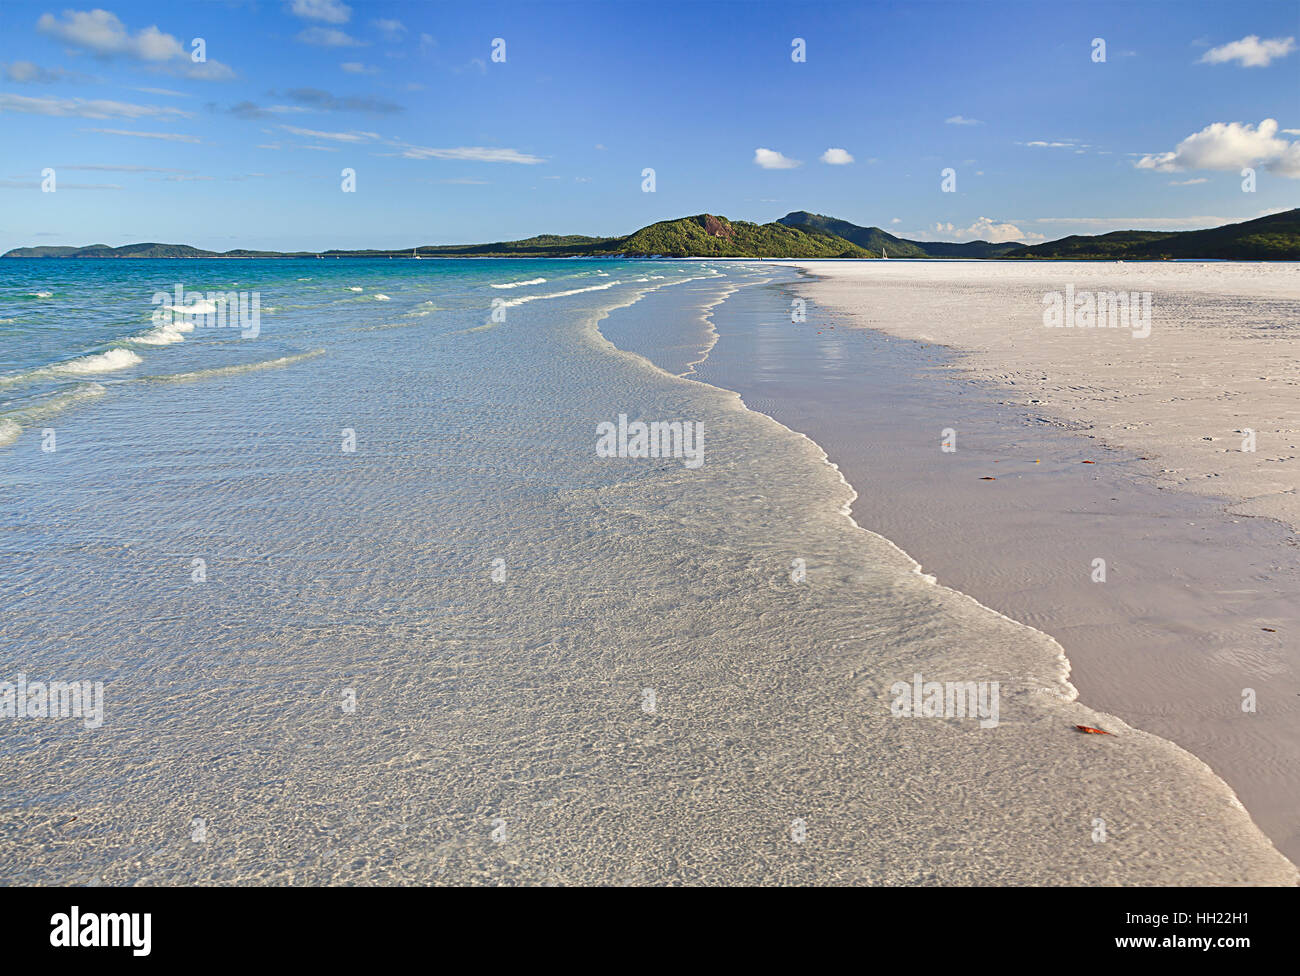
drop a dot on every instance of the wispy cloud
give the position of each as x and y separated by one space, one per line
353 137
328 11
1055 144
961 120
100 168
1141 223
26 72
85 108
477 154
36 185
1250 51
328 37
390 30
163 136
357 68
326 102
251 110
771 159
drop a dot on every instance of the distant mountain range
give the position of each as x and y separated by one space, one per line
796 235
1272 238
879 242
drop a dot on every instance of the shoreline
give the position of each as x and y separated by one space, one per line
1166 646
720 324
521 700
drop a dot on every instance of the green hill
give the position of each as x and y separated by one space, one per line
1272 238
871 239
542 245
705 235
46 251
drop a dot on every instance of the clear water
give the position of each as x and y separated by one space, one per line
471 650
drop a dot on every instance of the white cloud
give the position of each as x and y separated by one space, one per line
771 159
391 29
961 120
329 11
357 68
1193 182
1230 146
987 229
164 136
897 220
24 71
103 34
835 157
334 136
328 37
85 108
1250 51
478 154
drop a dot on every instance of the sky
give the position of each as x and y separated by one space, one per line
475 121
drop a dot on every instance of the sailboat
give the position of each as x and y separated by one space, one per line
883 254
414 255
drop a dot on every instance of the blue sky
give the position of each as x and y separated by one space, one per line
246 148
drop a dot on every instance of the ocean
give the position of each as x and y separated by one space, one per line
374 595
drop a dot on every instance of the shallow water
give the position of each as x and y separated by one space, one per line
471 650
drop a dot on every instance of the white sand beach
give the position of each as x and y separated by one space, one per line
1200 603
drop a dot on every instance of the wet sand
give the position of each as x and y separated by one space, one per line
1173 637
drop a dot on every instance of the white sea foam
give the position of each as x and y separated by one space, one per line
11 424
200 307
217 371
520 284
555 294
41 294
356 288
100 362
382 298
164 334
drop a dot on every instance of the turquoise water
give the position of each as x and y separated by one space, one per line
368 606
72 331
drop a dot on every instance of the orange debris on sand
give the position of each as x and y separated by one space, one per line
1091 731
